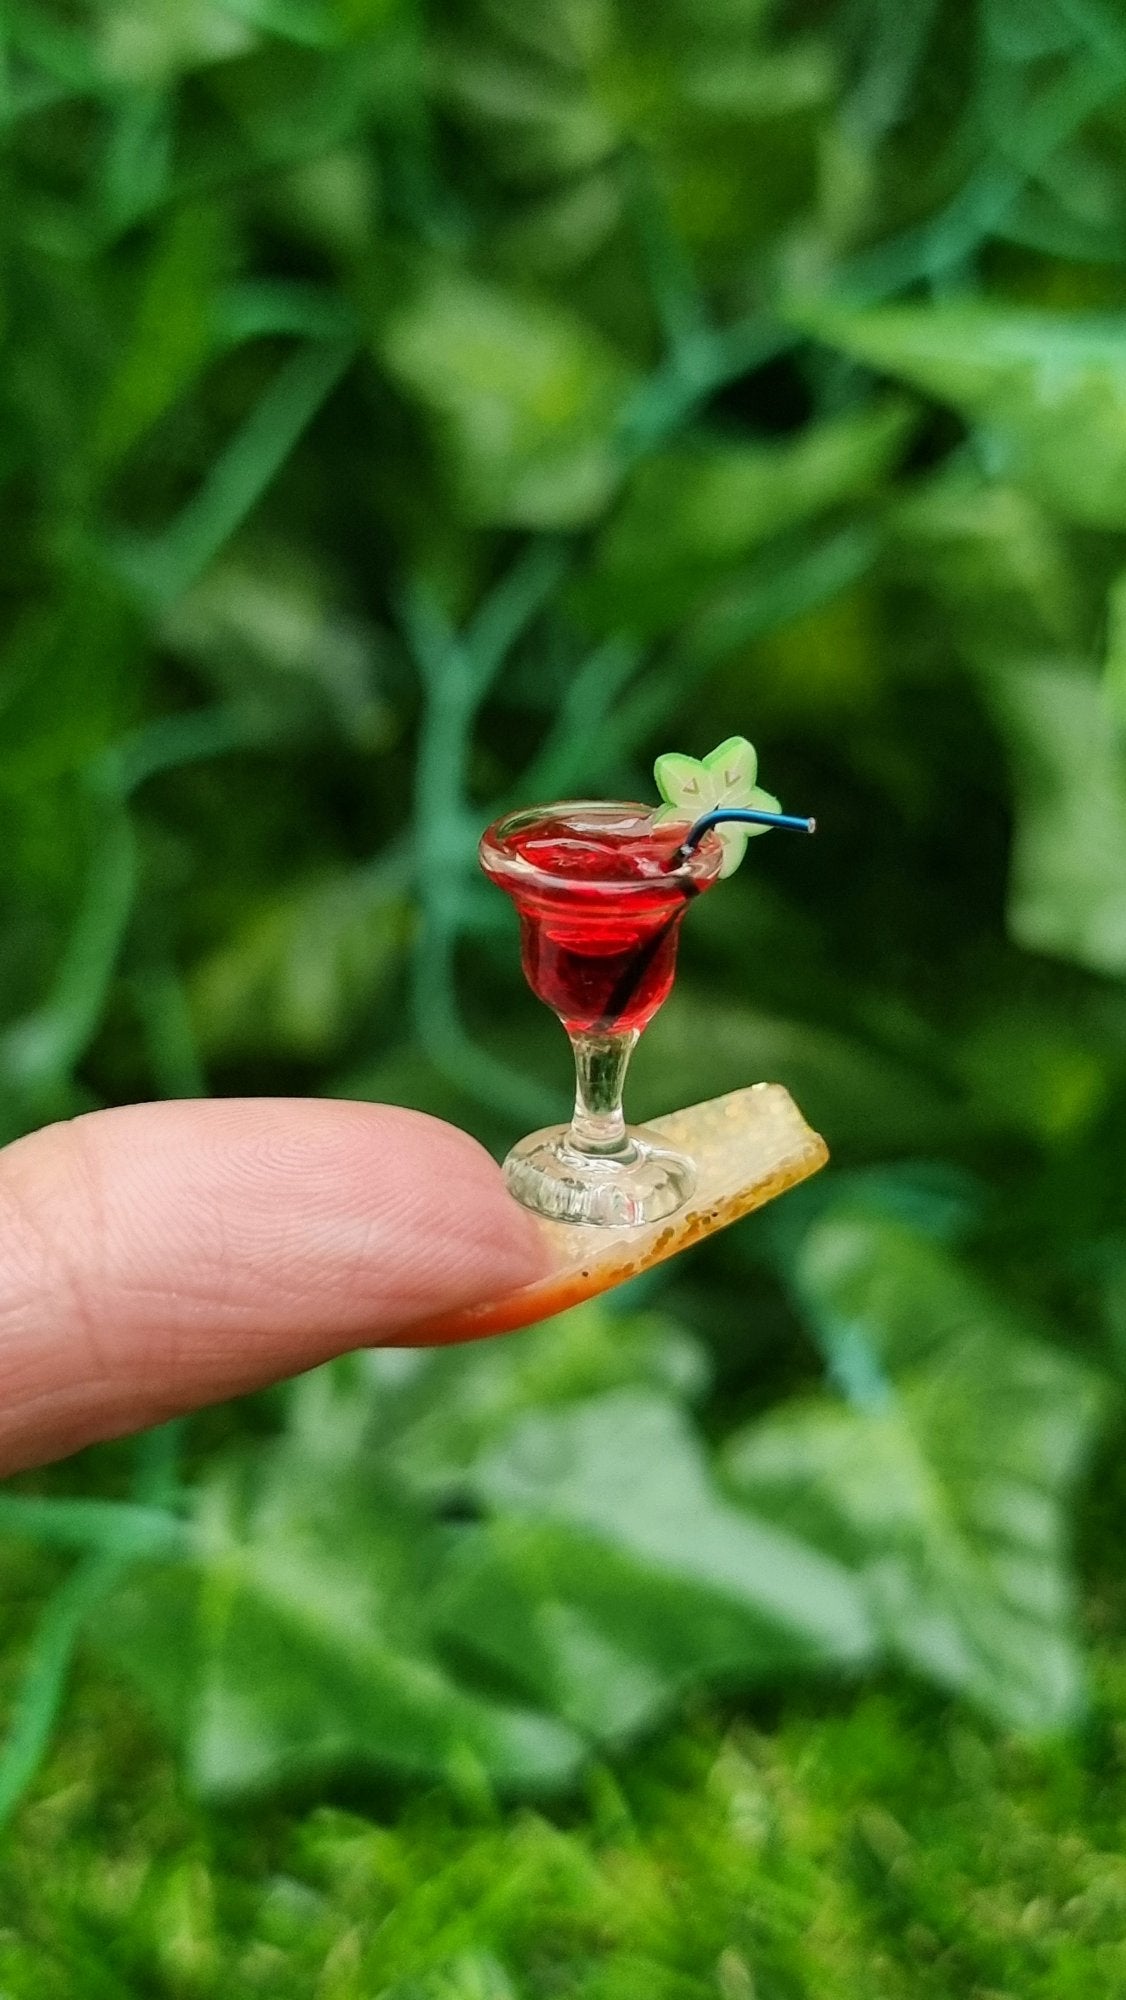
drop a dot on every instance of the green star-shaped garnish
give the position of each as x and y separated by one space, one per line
692 787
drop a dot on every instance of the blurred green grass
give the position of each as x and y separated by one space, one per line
408 410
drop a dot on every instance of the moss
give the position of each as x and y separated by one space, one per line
886 1847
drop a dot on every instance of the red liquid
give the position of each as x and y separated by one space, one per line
600 921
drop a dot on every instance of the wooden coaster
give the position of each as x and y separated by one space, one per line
748 1147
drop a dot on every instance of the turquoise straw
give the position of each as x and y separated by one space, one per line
747 815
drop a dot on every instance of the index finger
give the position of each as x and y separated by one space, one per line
158 1257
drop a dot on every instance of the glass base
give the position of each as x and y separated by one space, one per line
644 1183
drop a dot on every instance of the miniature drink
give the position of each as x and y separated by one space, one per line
599 909
600 891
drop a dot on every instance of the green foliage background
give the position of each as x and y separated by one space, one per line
412 409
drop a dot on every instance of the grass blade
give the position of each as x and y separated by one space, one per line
40 1695
162 569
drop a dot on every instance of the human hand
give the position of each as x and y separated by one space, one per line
163 1256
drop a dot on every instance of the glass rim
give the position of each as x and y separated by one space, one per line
498 859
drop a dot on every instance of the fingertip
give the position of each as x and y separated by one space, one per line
156 1257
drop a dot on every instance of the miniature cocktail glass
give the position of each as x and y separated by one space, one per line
600 891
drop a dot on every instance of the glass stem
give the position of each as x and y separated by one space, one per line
598 1128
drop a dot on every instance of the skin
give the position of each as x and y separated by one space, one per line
163 1256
